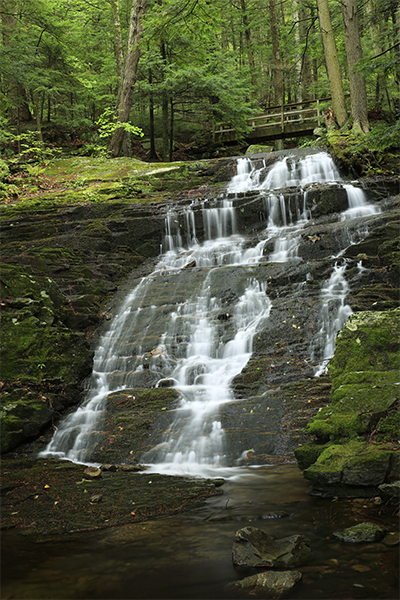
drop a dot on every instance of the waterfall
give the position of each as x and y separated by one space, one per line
334 314
189 337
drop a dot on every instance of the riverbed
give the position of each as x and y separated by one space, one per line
188 555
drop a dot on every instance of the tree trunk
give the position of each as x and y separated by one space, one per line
171 130
277 64
332 63
247 34
129 75
298 59
164 108
37 98
15 91
118 46
151 120
358 90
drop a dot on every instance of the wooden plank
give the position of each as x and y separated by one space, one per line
270 132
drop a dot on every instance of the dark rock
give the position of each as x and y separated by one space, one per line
253 547
390 492
363 532
270 584
392 538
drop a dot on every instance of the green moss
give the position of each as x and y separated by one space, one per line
332 426
388 428
23 415
96 229
368 342
307 454
353 463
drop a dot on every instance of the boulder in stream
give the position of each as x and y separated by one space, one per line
270 584
253 547
360 533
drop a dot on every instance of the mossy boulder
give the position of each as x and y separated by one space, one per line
354 448
356 468
369 342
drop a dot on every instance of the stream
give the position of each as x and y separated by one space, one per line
188 556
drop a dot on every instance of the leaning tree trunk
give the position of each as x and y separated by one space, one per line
358 90
332 63
125 98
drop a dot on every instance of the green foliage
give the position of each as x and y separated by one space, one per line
108 123
372 151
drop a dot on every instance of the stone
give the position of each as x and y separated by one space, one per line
92 473
361 568
259 149
390 492
253 547
392 538
109 467
361 533
355 468
96 498
271 584
275 514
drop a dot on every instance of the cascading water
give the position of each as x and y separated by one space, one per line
333 316
189 339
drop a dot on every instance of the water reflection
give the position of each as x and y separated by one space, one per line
188 556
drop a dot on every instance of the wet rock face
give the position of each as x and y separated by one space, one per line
81 254
253 547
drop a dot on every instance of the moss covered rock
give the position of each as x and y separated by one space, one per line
354 448
40 356
356 468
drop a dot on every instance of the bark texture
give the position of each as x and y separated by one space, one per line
358 90
277 63
118 46
125 99
332 63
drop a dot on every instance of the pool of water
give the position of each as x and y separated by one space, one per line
188 556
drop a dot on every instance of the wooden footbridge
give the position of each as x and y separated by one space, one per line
277 122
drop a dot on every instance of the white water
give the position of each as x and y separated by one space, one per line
204 364
334 314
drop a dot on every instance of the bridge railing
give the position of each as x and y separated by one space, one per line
276 117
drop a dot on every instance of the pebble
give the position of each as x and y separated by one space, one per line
361 568
96 498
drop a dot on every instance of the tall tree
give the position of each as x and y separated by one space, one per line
277 63
129 75
358 90
332 63
118 45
